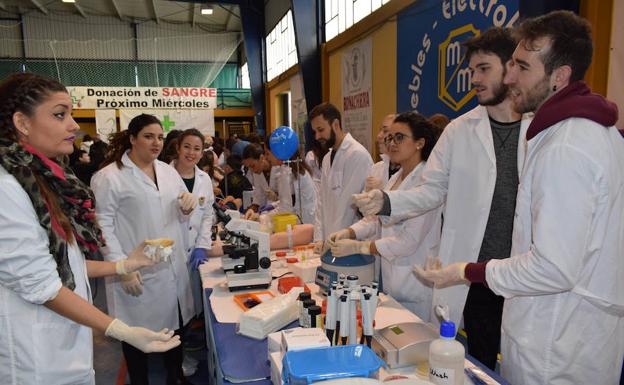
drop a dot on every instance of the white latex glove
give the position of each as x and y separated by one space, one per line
271 195
251 215
369 203
345 247
449 275
143 339
132 283
320 247
136 260
338 235
187 202
373 183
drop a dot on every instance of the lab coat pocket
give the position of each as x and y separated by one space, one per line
63 353
335 183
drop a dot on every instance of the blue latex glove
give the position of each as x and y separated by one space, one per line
265 208
198 256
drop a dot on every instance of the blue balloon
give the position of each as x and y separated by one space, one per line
283 142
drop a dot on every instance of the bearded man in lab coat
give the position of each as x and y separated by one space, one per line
563 321
343 173
473 171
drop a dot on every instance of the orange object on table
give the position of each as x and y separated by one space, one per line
285 284
248 300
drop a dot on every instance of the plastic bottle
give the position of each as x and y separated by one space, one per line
265 223
314 312
306 316
446 357
304 295
290 236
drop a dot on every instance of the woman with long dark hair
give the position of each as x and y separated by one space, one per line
404 241
140 197
50 244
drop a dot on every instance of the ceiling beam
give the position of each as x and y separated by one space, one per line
80 10
37 4
192 14
3 6
227 18
117 9
155 12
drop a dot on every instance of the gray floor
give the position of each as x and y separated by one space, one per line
106 352
107 356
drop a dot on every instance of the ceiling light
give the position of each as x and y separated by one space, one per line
206 10
69 1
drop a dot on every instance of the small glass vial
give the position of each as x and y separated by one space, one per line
303 296
314 313
306 316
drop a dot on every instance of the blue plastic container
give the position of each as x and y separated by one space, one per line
303 367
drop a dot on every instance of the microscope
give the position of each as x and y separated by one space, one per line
246 262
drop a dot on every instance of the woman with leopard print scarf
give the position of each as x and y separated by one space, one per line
49 245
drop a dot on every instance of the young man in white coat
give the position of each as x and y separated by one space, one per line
343 173
563 321
473 170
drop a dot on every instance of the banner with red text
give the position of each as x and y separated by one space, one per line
179 98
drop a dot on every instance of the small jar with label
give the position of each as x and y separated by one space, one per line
314 312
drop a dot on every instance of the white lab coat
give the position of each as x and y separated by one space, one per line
197 230
563 318
381 169
260 185
339 181
402 243
130 208
37 345
305 197
310 160
461 174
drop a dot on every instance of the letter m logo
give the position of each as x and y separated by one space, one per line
454 87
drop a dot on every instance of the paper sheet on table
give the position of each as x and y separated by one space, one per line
222 302
211 273
390 312
223 306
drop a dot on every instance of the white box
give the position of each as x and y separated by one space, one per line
276 368
306 270
303 338
274 342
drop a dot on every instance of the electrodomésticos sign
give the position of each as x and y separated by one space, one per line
432 74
